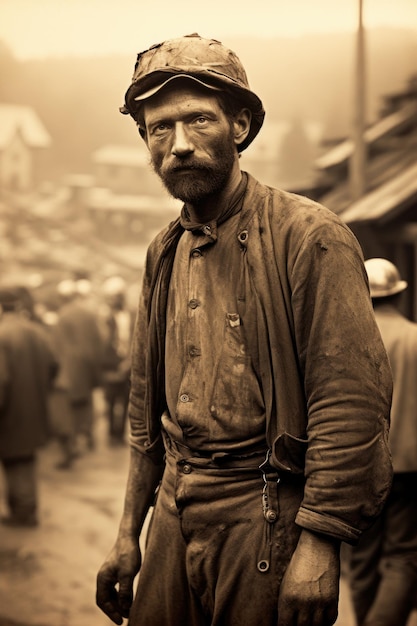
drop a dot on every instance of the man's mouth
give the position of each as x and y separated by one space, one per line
187 167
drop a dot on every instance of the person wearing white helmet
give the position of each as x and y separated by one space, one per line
383 565
260 387
117 329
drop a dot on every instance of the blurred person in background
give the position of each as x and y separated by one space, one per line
116 322
383 565
87 296
78 343
28 366
260 387
28 303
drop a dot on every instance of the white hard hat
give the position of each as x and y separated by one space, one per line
384 278
66 287
114 285
83 286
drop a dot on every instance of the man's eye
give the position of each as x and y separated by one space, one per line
201 120
159 128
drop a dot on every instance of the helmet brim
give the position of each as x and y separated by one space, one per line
154 90
384 293
210 79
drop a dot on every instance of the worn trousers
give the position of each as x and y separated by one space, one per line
21 488
215 554
383 566
117 399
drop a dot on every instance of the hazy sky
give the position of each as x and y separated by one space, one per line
37 28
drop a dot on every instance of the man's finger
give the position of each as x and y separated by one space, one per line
125 595
108 602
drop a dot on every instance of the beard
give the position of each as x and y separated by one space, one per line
194 180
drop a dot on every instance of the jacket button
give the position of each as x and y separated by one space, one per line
184 397
243 236
263 566
187 469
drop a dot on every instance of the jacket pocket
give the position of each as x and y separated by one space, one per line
288 453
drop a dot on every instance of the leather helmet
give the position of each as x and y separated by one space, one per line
205 61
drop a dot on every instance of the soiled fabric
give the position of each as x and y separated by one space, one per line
326 383
213 395
213 557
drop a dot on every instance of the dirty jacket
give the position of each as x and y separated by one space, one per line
305 305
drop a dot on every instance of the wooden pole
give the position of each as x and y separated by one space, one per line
358 159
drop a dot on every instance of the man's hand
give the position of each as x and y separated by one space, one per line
309 593
115 579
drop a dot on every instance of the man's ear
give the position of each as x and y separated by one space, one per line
142 132
241 125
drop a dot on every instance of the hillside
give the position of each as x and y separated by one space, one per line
308 78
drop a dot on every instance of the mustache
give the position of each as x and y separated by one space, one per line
186 166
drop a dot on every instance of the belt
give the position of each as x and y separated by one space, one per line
216 460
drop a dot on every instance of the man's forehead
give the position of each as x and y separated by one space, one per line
184 95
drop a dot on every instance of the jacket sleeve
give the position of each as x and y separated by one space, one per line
139 403
347 382
4 378
137 418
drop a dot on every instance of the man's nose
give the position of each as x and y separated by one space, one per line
182 144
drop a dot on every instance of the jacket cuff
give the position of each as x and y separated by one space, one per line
326 525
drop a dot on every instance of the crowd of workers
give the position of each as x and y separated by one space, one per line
51 362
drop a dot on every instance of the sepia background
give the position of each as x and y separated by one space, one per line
77 195
66 64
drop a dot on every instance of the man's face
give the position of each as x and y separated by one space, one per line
190 140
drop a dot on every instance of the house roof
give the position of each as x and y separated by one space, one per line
269 142
18 118
395 195
104 200
114 154
382 128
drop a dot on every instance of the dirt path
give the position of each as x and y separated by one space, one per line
47 574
